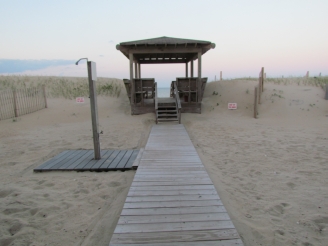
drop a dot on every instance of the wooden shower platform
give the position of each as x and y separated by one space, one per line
172 200
83 160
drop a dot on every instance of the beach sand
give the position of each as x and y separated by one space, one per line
271 173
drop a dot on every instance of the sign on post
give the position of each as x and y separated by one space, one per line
232 105
80 99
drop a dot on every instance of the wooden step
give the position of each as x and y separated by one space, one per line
167 106
167 111
172 119
166 115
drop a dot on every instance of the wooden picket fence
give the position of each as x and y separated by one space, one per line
17 102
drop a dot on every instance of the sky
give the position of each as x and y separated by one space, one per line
287 38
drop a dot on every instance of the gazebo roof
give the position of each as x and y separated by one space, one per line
165 41
165 49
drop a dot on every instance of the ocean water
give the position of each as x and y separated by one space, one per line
163 92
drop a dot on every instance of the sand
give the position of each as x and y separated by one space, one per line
271 172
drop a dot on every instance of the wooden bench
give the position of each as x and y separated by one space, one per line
188 88
144 89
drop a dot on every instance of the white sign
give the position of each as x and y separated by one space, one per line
232 105
80 99
93 71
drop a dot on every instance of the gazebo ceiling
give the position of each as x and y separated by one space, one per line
165 50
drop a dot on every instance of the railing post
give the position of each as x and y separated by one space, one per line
156 103
15 102
44 96
260 90
255 102
262 78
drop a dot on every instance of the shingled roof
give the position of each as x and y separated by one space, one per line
165 41
165 49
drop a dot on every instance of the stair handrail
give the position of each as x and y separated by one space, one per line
177 100
156 98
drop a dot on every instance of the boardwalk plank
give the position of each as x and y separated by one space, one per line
191 179
171 198
173 182
232 242
176 236
172 204
174 226
180 187
166 218
173 211
171 192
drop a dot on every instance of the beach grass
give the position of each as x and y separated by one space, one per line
311 81
63 87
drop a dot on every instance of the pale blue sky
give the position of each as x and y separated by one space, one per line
286 37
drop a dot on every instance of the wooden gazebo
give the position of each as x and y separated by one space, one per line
142 91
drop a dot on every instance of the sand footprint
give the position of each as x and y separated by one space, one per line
279 210
15 228
291 185
4 193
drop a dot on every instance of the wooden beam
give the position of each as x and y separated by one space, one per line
131 79
135 69
165 50
139 70
162 61
199 75
191 68
186 69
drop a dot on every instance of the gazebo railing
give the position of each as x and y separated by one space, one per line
177 100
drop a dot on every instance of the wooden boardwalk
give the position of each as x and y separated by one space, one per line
172 200
83 160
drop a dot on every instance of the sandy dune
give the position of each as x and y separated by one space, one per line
270 172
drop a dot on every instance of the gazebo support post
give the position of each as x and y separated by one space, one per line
186 69
136 70
199 75
131 78
192 68
139 71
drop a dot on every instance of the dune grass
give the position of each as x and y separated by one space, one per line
63 87
313 81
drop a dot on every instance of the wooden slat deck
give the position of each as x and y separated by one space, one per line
83 160
172 200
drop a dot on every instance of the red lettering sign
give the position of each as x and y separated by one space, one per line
80 99
232 105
